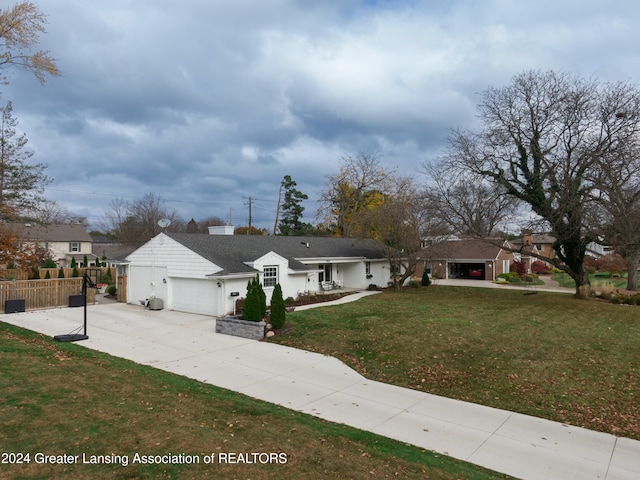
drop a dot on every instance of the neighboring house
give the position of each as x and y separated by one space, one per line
64 242
110 253
542 244
206 274
467 258
537 243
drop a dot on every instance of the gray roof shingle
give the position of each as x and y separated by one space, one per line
52 233
232 252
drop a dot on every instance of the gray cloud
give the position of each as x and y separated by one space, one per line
209 103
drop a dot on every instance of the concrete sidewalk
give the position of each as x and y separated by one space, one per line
186 344
549 286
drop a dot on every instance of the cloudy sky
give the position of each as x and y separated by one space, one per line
208 102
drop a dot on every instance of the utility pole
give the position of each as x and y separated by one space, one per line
275 226
250 215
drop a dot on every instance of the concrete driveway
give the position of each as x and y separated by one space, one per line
186 344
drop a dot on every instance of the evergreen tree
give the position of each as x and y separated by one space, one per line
278 308
251 309
192 226
292 209
49 263
21 184
61 273
47 275
426 281
262 296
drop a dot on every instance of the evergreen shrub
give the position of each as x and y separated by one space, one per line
278 308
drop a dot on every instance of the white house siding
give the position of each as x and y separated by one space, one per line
195 296
179 260
229 286
381 273
162 258
149 282
291 283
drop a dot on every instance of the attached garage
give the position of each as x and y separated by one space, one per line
470 259
194 295
473 271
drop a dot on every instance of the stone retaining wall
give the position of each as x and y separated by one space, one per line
240 328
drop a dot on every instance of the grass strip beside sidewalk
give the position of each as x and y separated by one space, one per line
62 399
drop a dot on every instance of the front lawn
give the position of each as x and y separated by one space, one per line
63 402
547 355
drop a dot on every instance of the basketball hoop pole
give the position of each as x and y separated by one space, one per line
74 337
86 282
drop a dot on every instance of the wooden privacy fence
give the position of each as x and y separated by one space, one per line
14 274
44 293
121 293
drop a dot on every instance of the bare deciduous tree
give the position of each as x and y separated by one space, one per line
136 221
541 140
618 196
467 203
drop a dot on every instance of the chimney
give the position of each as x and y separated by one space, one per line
221 230
527 237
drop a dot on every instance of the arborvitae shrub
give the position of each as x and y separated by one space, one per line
61 273
426 281
49 263
278 309
251 309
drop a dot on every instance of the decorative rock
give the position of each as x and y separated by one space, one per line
270 334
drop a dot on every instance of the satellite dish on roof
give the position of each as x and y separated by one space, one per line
164 222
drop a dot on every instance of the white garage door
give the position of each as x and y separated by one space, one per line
194 295
147 282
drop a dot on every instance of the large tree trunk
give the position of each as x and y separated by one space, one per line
583 285
572 252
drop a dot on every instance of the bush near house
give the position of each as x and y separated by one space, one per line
49 263
252 307
539 268
518 267
278 308
426 281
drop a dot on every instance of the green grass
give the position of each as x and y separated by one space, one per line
547 355
564 280
61 398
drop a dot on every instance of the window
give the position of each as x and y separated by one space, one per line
325 273
505 266
74 246
367 268
270 276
